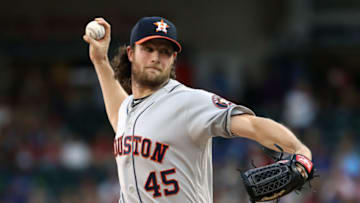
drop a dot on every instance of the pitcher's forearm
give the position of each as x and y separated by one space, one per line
276 133
112 91
268 132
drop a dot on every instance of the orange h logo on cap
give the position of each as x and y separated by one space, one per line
161 26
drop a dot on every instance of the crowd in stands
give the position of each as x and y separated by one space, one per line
56 143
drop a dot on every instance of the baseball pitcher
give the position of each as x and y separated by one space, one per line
164 130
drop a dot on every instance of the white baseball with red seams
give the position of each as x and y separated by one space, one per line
95 30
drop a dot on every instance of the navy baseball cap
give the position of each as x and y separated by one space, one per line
153 28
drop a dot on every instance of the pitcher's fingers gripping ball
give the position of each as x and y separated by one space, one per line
95 30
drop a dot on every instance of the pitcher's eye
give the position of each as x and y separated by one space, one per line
148 49
166 52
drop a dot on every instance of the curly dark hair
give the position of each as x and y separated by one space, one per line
122 68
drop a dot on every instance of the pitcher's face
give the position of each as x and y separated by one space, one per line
152 62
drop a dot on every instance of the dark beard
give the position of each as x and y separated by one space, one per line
145 80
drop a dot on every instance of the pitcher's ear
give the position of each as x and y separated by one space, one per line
130 52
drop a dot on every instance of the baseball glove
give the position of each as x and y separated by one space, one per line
278 179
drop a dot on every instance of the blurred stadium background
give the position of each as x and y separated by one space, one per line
296 61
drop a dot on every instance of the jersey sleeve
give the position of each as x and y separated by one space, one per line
122 112
210 115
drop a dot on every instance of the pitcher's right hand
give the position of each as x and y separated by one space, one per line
98 49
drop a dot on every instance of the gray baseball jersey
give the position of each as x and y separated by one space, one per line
163 145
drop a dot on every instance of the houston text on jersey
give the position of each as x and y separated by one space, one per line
142 147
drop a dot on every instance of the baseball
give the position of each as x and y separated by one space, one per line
95 30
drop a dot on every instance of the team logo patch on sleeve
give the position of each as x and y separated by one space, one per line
220 102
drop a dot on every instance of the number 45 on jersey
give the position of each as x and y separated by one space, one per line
171 186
